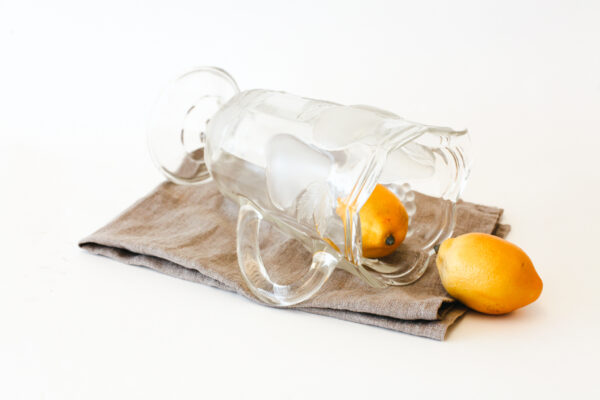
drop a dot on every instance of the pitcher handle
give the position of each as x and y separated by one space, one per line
256 275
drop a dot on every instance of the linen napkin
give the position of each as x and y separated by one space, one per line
190 232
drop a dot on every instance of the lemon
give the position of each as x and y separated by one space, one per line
487 273
383 221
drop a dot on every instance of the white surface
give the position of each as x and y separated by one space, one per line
76 83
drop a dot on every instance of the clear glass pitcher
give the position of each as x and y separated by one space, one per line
292 161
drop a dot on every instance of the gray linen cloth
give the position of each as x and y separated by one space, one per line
190 232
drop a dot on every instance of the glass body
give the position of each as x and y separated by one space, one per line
291 161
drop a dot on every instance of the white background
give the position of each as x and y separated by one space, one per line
77 82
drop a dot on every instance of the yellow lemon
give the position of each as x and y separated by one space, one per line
384 222
487 273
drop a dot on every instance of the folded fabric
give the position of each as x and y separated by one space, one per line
189 232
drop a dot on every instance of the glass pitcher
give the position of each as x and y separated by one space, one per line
291 161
